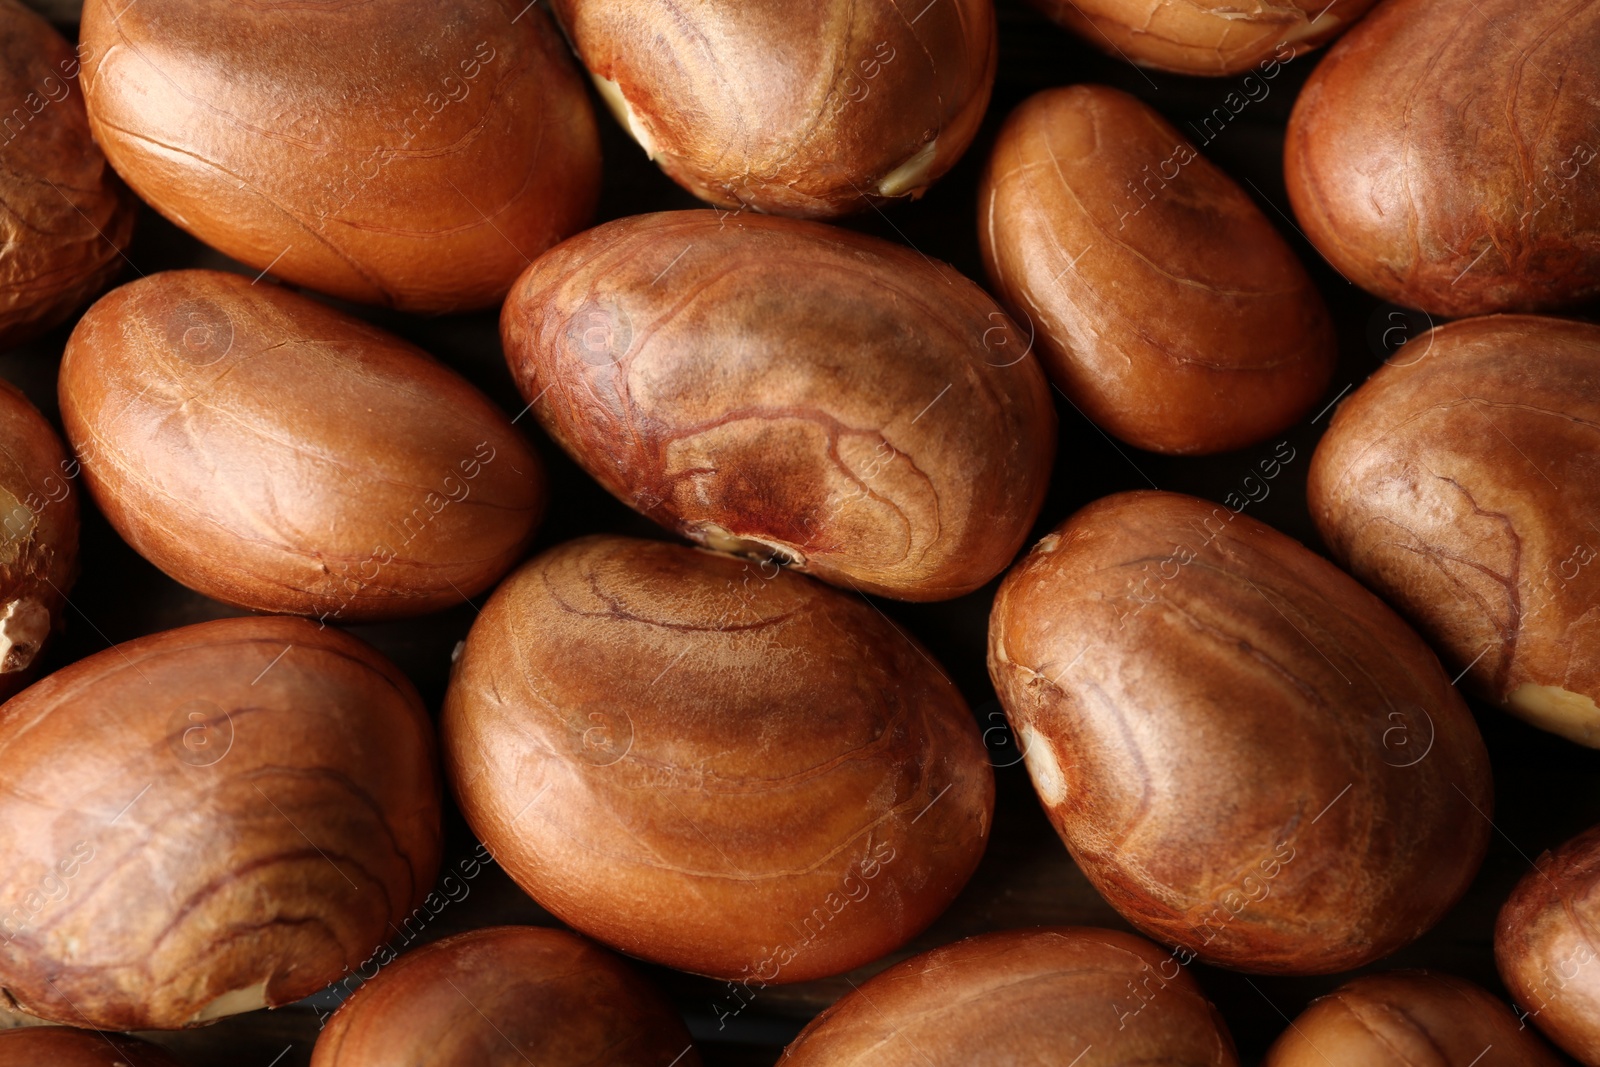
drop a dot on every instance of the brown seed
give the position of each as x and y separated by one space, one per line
209 820
410 154
1444 155
1248 754
506 995
1214 37
1023 996
58 1046
1164 303
1406 1018
788 389
67 218
272 453
711 764
814 109
38 535
1545 945
1462 484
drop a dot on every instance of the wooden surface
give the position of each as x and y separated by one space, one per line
1547 789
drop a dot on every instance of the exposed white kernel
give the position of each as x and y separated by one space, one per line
719 539
611 93
236 1002
1571 715
1043 767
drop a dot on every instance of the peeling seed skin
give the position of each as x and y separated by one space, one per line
1164 303
38 536
812 110
60 1046
1205 37
1463 486
730 770
1023 996
195 813
65 218
502 997
825 398
275 454
1545 945
1409 1019
1444 155
408 154
1287 784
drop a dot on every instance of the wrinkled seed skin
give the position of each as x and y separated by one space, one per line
793 109
1204 37
1038 996
1172 313
38 536
409 154
66 216
506 996
59 1046
1408 1018
873 417
195 812
729 769
1444 155
1461 483
1250 756
275 454
1544 944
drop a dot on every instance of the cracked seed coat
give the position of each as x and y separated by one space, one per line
1262 762
794 109
1206 37
284 859
410 154
1462 484
1409 1019
270 452
1065 996
1445 155
64 217
731 770
38 532
60 1046
869 414
1547 945
506 996
1165 304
